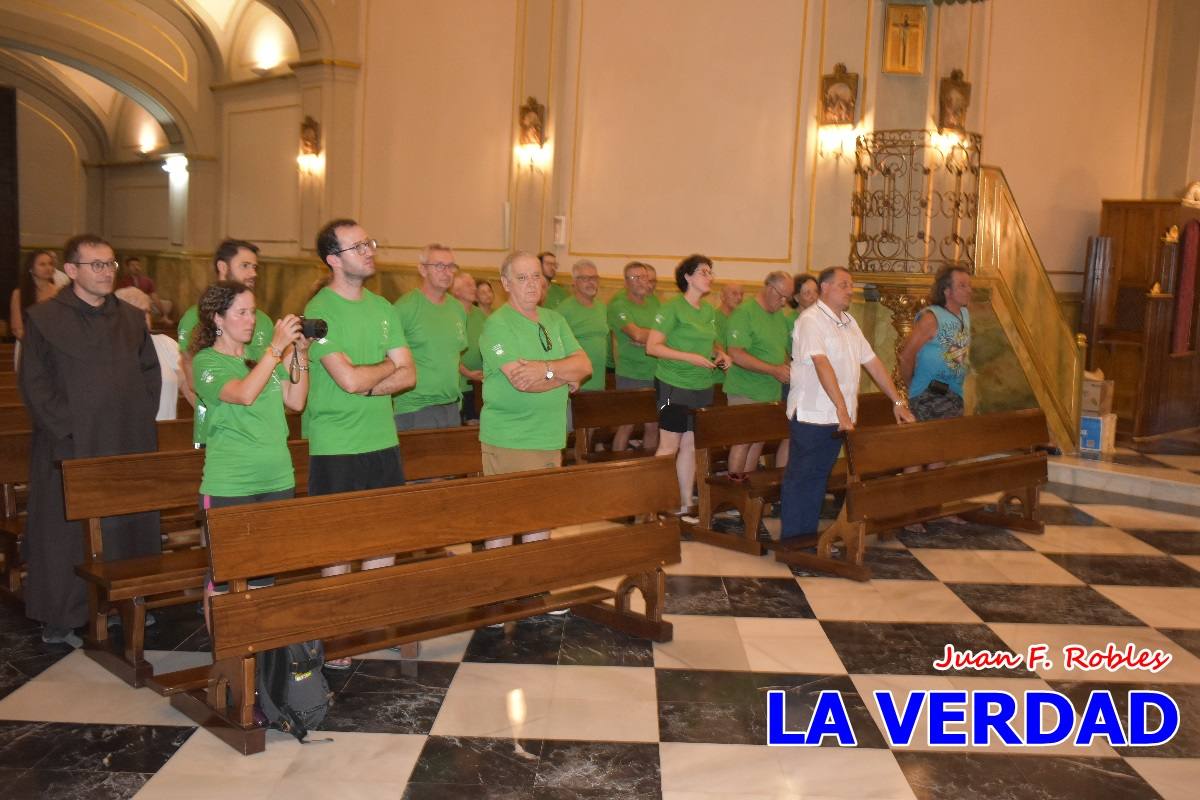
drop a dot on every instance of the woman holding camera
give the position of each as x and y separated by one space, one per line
246 458
684 340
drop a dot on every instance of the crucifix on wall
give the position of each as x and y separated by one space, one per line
904 40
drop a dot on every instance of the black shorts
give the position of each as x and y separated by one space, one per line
378 469
675 405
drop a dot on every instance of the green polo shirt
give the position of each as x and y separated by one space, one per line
263 328
247 450
693 330
437 335
470 357
515 419
555 295
336 422
590 326
632 361
763 335
720 376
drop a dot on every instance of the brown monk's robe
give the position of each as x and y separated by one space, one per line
90 379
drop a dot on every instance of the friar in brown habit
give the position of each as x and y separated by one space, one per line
90 379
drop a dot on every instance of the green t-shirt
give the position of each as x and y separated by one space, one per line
515 419
766 337
632 361
555 294
590 326
693 330
470 357
247 450
722 333
437 336
336 422
263 328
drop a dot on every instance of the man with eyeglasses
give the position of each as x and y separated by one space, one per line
234 260
756 338
554 294
435 327
359 364
90 379
588 320
630 317
531 362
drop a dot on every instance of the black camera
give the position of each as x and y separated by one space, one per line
313 328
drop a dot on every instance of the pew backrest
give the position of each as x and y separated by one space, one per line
272 538
14 417
611 409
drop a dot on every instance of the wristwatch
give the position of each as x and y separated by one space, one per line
549 372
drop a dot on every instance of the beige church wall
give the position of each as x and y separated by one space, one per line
260 41
1173 142
667 144
260 200
440 90
52 183
136 206
1064 99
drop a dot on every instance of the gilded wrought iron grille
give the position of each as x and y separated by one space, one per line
916 194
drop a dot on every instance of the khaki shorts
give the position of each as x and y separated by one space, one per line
501 460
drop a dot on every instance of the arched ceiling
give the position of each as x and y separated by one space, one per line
163 54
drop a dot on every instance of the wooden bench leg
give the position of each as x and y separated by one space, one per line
226 707
852 538
653 586
1027 520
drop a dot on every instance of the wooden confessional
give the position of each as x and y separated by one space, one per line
1146 340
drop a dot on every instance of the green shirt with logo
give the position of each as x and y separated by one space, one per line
590 326
765 336
555 295
247 451
632 361
437 335
515 419
335 421
263 328
693 330
471 359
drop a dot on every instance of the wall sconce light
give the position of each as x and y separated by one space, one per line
531 149
310 161
836 141
175 164
836 130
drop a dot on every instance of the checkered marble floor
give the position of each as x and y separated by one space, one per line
562 708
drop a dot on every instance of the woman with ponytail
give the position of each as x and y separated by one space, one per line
246 458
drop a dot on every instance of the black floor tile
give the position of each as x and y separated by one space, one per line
889 648
689 594
945 535
1127 570
970 776
886 563
63 785
1066 515
380 676
1085 495
1177 543
462 762
802 692
1051 605
532 641
1189 640
618 770
1185 743
587 643
767 597
381 712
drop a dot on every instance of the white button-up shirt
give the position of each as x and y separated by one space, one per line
821 332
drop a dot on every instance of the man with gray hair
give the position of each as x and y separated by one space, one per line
757 340
588 319
435 327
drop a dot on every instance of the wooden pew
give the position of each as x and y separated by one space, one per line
609 409
14 417
364 611
984 454
8 379
14 472
95 488
721 427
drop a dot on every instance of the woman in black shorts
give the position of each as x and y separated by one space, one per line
684 340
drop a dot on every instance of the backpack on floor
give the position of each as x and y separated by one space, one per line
292 691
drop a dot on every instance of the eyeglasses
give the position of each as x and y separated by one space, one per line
361 248
782 295
705 272
451 267
544 338
97 266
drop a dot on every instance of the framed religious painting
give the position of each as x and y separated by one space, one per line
904 39
839 96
